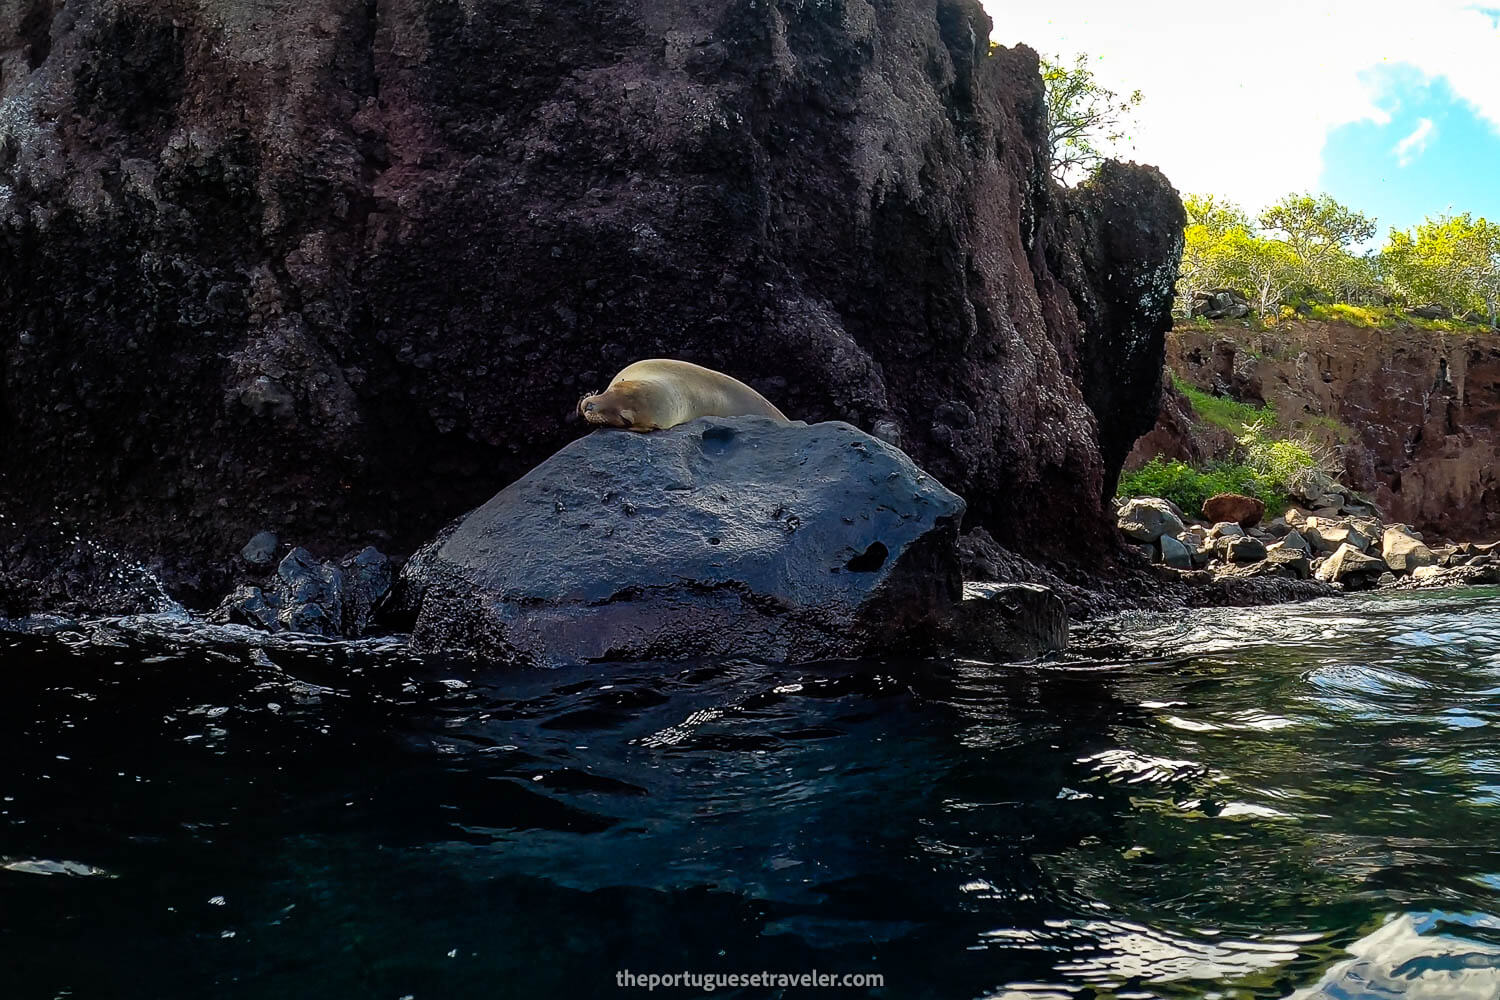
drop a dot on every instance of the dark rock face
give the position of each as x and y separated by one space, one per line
1413 414
339 271
1007 621
720 537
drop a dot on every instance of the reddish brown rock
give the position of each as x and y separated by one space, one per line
1242 510
1412 415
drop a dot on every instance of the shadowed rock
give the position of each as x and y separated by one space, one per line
720 537
1007 621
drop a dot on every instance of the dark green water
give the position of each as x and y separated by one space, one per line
1294 801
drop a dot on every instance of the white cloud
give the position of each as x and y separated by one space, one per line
1413 145
1240 97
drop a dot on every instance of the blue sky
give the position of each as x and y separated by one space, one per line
1434 155
1391 106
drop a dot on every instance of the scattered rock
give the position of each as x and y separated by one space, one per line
1450 576
1289 561
368 575
1351 568
1326 535
1242 510
1174 553
1225 529
1403 552
1145 519
309 595
306 595
261 549
247 606
697 541
1293 540
1241 549
1221 303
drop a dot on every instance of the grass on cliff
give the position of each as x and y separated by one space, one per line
1235 417
1377 317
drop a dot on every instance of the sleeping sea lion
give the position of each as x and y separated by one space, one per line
660 393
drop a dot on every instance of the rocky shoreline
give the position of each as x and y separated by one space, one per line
1342 545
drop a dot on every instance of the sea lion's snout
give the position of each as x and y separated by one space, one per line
585 404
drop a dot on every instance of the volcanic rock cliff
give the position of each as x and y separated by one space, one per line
1412 415
342 270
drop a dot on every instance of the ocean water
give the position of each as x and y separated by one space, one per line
1291 801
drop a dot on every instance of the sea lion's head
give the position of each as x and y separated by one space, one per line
610 408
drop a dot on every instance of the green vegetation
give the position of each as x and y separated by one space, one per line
1235 417
1266 463
1188 487
1301 257
1082 115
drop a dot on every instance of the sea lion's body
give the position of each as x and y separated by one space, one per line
660 393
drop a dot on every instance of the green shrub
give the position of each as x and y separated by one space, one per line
1188 487
1267 468
1280 462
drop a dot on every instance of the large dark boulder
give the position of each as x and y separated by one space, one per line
337 271
720 537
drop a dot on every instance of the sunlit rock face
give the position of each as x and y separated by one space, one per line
342 271
1412 415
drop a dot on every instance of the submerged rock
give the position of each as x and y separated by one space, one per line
719 537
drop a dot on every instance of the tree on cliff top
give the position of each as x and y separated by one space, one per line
1453 261
1320 232
1216 215
1082 116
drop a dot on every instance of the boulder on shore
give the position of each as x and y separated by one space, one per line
1403 552
720 537
1242 510
1352 568
1145 519
1241 549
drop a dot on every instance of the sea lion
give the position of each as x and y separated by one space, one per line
660 393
